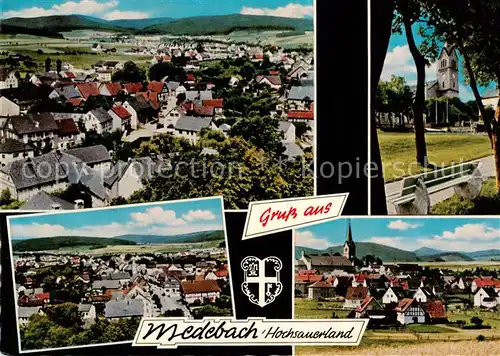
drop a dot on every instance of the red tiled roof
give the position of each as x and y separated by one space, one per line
222 273
204 110
435 309
404 304
321 284
113 88
155 86
121 112
75 101
297 114
273 79
308 278
356 293
258 56
133 88
487 282
364 304
203 286
70 75
216 103
43 296
88 89
67 127
190 77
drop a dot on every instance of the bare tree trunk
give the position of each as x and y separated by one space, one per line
419 102
381 28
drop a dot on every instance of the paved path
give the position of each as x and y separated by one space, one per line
487 168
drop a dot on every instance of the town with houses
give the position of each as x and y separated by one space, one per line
122 286
394 295
57 125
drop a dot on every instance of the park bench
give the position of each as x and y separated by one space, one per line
414 196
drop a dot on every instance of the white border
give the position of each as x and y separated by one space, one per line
60 212
369 107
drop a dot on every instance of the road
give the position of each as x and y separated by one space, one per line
487 168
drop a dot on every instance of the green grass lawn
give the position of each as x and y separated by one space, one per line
311 309
398 151
421 328
487 203
489 318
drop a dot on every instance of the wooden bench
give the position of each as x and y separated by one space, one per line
414 197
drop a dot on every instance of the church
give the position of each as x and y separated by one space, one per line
447 70
327 262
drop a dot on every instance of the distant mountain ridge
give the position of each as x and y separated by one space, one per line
200 25
56 242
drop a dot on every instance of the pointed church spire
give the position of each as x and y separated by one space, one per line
349 232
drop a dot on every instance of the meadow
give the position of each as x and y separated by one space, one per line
398 151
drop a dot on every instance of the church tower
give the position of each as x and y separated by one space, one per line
447 72
349 245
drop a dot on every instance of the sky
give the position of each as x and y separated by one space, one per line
140 9
167 218
399 62
448 234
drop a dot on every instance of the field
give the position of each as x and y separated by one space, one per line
271 37
468 348
398 151
409 336
150 248
463 265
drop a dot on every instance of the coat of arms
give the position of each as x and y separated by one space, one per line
262 279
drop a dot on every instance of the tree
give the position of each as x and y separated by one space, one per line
409 12
48 62
5 196
65 315
59 65
476 321
261 132
129 73
174 313
163 69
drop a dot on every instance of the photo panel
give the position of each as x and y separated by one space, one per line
92 274
424 283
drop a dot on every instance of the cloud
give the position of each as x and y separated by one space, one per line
185 229
36 229
461 246
290 10
126 15
402 225
307 238
104 9
155 215
48 230
399 62
470 232
195 215
396 242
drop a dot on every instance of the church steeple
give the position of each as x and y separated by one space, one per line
349 245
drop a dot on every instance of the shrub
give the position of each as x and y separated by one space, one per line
480 338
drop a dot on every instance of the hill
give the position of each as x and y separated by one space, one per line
61 23
426 251
447 257
54 243
485 254
141 23
225 24
385 253
192 237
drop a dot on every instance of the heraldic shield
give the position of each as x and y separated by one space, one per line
262 279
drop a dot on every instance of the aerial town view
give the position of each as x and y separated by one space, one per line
108 103
427 285
88 277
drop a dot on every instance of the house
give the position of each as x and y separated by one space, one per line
132 88
305 116
96 157
354 296
198 95
300 98
435 311
110 89
160 88
99 120
46 201
287 130
189 127
45 297
127 308
326 263
320 290
139 109
368 305
66 92
87 90
217 104
199 290
106 284
124 178
393 295
24 313
409 311
233 82
11 150
31 127
481 282
96 47
8 79
8 108
273 81
87 311
486 297
104 75
68 134
423 295
121 118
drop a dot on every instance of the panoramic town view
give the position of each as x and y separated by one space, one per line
425 284
108 103
436 109
88 277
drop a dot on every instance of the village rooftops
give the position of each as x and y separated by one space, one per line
107 283
88 89
273 79
144 168
435 309
45 201
32 123
133 88
317 260
404 304
91 154
67 127
301 92
203 286
321 284
14 146
357 293
121 112
139 103
124 308
101 115
192 95
26 312
84 308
